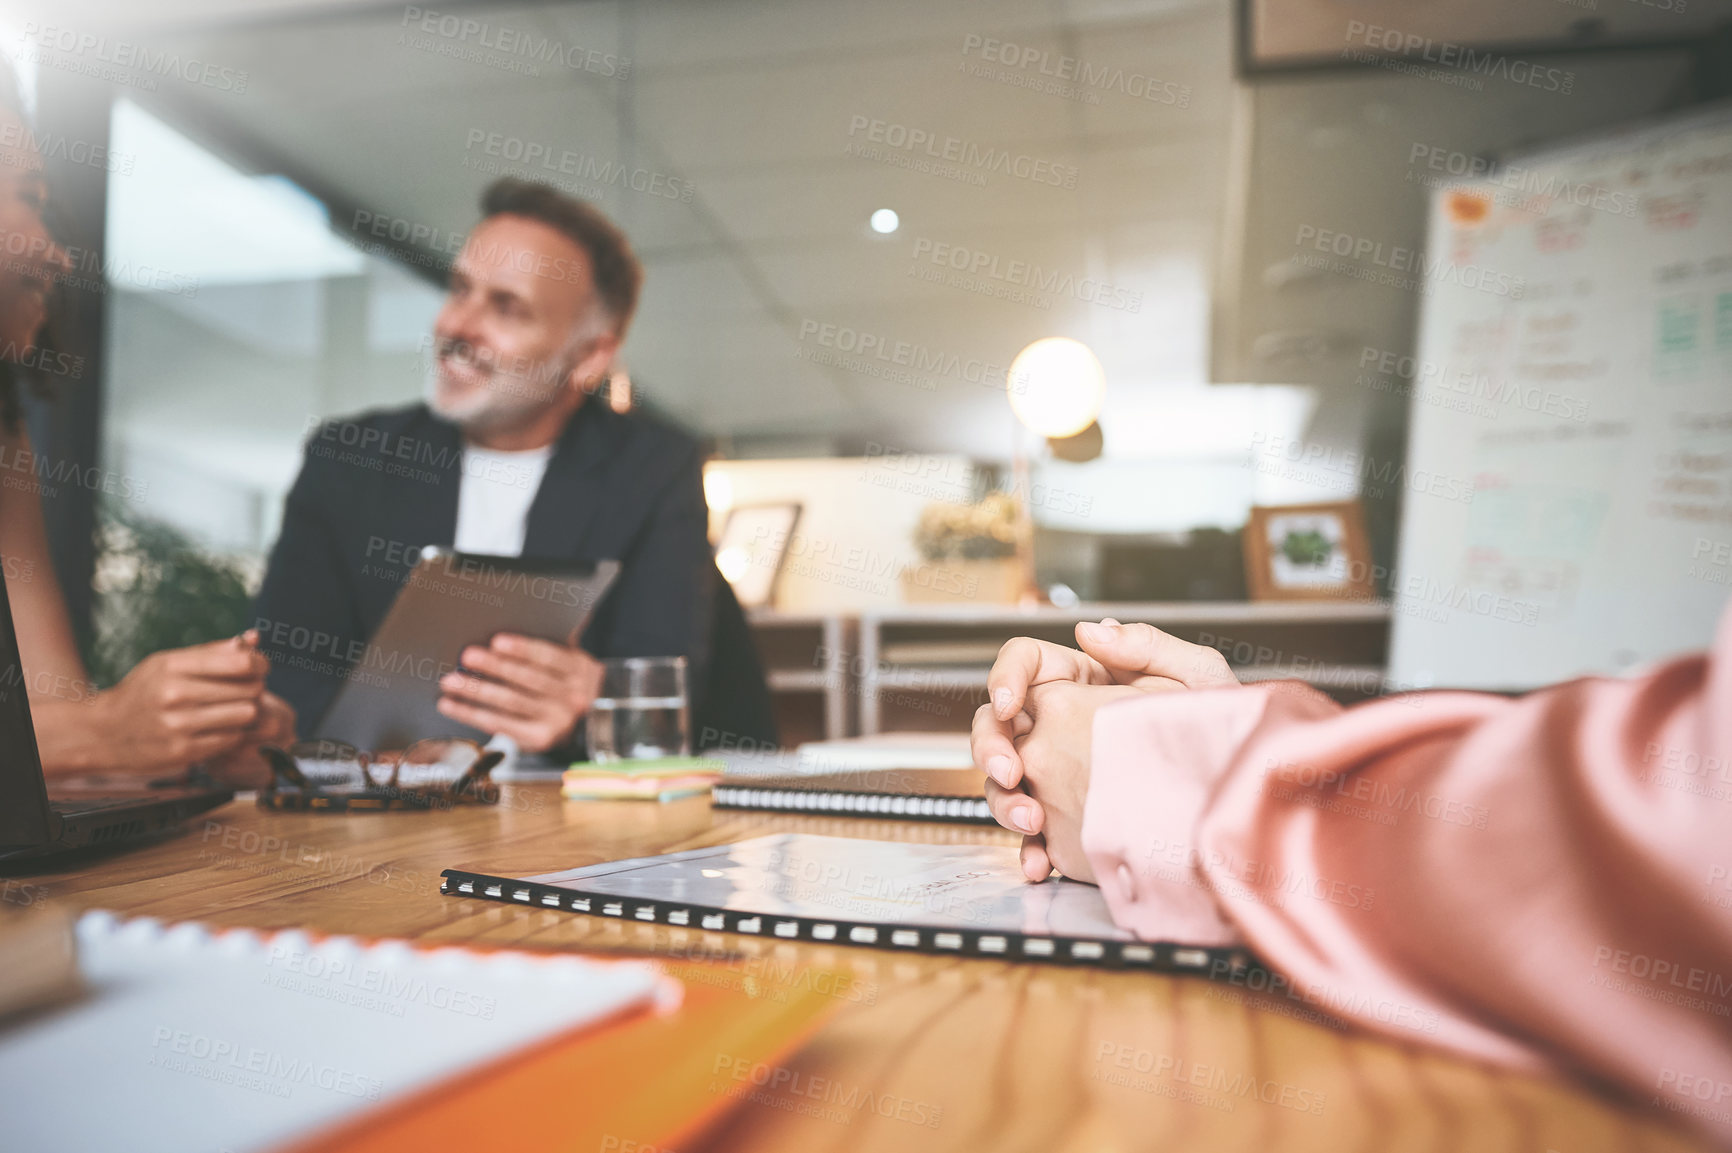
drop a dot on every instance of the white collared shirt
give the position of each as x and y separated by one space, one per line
494 496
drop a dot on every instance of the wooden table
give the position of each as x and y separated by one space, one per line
923 1053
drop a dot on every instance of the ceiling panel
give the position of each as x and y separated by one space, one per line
1287 32
753 105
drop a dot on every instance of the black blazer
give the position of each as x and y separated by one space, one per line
374 489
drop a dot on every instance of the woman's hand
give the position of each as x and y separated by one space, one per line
1055 730
243 767
179 707
1136 657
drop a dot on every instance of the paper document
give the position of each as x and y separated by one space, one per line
977 887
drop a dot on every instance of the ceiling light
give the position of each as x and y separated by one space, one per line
886 221
1056 387
619 391
718 490
734 562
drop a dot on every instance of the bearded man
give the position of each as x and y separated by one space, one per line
514 454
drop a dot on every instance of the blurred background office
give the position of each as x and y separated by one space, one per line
854 219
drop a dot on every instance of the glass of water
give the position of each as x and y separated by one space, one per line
641 713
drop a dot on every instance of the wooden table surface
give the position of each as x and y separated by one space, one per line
923 1053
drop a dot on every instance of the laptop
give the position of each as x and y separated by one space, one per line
37 820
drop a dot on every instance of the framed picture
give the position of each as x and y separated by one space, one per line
750 550
1308 552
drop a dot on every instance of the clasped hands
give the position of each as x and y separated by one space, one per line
1033 738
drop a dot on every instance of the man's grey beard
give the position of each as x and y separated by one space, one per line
506 401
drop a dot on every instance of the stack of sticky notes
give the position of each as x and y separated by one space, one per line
661 779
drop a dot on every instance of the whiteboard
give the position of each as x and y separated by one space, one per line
1575 368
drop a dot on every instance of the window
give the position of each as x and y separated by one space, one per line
237 319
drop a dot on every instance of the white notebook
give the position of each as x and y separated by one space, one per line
197 1040
888 751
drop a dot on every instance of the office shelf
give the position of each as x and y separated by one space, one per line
1151 612
799 680
907 656
806 655
974 676
910 654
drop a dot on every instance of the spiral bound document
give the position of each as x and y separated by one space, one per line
191 1039
969 900
904 794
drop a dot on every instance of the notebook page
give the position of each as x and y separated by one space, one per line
193 1040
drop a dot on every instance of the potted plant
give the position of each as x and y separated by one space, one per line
156 589
968 553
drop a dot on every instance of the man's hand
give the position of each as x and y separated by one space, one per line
244 767
531 690
182 706
1136 656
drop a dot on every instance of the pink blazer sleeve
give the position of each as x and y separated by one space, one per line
1543 881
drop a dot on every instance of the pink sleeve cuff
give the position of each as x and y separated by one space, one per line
1155 765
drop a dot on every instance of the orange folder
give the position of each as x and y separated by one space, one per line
643 1078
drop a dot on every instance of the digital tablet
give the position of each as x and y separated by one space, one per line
452 600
